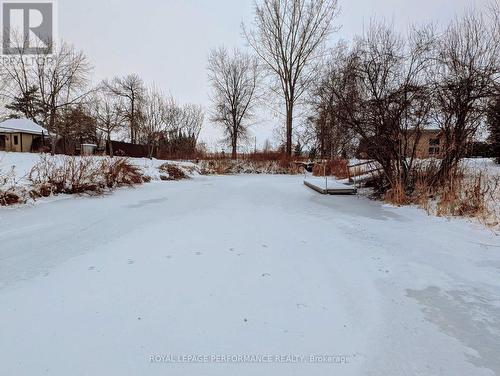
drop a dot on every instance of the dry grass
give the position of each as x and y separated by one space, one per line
265 156
216 167
471 196
335 167
468 193
230 167
397 195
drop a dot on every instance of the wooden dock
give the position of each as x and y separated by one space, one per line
333 189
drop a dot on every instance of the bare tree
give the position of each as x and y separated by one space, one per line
288 37
380 90
42 88
234 84
155 119
62 81
325 130
182 124
467 66
174 116
19 84
107 111
132 91
194 117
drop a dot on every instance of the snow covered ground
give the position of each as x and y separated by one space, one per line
262 266
22 163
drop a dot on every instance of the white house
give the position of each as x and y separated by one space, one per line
21 135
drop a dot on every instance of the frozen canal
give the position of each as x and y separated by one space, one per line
244 275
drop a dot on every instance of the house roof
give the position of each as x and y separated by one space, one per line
22 126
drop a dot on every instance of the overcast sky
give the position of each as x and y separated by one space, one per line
167 41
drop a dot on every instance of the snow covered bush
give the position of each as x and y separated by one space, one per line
119 172
44 175
73 175
170 172
10 192
62 174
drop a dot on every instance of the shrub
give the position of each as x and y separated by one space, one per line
66 174
174 172
73 175
119 172
10 192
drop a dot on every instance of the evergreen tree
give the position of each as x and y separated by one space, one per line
27 105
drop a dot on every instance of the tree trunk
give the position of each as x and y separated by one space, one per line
110 146
132 122
54 138
53 145
289 125
447 169
234 152
151 150
455 147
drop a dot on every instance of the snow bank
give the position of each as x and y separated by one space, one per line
26 176
22 163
